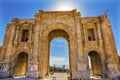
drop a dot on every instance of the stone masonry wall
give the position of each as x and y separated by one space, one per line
62 23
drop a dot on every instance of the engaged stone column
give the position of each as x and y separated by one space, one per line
10 42
111 62
9 47
30 32
79 37
33 69
85 35
16 35
73 59
99 31
81 71
36 37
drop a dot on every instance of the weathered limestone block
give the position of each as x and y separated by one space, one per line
0 48
4 70
0 53
32 70
87 37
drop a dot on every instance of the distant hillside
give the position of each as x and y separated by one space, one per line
58 69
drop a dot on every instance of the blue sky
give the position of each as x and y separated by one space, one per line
59 52
27 9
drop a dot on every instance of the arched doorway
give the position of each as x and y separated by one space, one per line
95 65
20 65
56 30
53 35
59 56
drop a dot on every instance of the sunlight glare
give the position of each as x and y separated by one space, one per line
64 6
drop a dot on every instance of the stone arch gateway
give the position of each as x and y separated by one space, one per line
55 34
84 35
20 65
96 64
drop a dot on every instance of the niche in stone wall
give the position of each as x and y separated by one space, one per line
91 35
25 34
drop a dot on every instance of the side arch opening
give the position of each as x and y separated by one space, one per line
20 65
95 65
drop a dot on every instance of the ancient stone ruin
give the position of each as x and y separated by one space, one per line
26 46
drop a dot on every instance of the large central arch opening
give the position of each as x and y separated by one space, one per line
58 52
59 57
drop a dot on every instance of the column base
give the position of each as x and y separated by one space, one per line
85 75
113 70
4 71
32 74
4 74
112 74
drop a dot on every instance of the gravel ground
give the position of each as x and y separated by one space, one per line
57 76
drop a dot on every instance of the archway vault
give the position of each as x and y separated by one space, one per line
16 52
57 33
20 65
96 64
54 26
56 30
47 25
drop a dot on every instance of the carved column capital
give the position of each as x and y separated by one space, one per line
101 19
15 20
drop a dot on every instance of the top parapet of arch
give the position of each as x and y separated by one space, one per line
74 11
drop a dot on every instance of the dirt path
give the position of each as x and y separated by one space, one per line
60 76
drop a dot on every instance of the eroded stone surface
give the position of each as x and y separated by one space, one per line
85 35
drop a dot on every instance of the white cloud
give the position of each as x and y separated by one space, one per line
60 40
58 61
59 45
64 6
119 52
0 43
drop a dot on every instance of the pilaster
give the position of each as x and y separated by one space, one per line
10 42
112 66
34 63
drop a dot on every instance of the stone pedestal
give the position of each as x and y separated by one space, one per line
81 72
112 70
4 74
83 75
32 74
4 70
32 71
47 25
